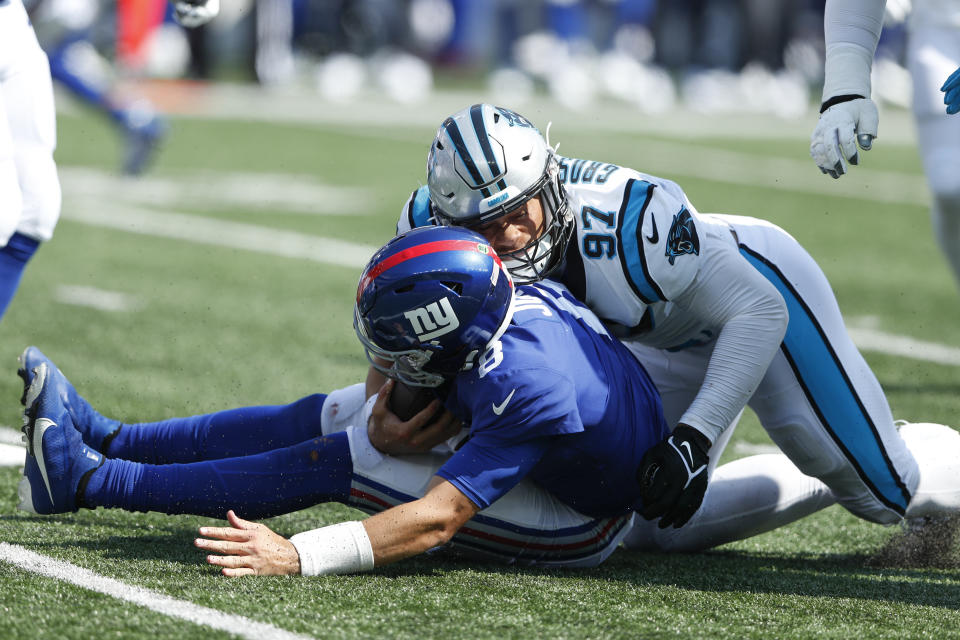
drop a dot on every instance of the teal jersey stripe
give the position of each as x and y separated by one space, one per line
637 196
831 394
420 210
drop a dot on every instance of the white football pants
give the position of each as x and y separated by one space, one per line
819 401
29 189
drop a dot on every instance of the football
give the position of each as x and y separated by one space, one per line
407 401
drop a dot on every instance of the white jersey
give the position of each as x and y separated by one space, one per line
658 273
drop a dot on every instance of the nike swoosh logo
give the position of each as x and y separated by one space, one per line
39 428
686 445
652 238
498 408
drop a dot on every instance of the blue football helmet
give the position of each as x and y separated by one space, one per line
488 161
429 302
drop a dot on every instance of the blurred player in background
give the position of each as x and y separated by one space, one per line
64 30
933 53
848 114
951 91
29 187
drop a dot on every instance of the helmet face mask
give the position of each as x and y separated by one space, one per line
429 301
485 163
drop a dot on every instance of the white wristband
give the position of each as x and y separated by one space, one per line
338 548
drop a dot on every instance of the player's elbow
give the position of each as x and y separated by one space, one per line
438 532
769 315
778 314
448 521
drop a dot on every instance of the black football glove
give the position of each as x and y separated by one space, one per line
673 477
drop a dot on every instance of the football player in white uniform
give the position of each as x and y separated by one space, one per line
29 188
722 310
933 52
951 90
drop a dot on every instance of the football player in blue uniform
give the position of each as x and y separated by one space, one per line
548 395
723 311
29 186
63 28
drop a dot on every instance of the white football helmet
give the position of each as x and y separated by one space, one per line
486 161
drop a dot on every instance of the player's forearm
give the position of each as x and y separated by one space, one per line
407 530
397 533
753 315
743 351
352 547
851 30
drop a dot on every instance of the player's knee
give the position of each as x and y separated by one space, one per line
41 195
343 408
870 508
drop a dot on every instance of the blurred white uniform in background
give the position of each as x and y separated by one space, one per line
933 53
851 30
29 189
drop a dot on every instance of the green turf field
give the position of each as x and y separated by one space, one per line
169 326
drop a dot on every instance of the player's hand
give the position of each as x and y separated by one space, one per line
250 549
841 127
951 90
193 13
391 435
673 477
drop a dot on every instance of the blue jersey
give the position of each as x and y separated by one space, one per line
560 401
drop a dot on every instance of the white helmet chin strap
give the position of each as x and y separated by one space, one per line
546 136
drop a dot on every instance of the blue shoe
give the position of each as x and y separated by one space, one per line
97 431
61 464
142 142
32 489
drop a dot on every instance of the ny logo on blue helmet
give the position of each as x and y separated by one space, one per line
429 301
433 320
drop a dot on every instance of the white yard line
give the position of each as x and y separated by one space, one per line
291 244
95 298
239 626
10 436
222 233
12 450
797 175
223 190
11 455
905 346
299 105
750 449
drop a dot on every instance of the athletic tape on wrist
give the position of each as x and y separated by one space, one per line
338 548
